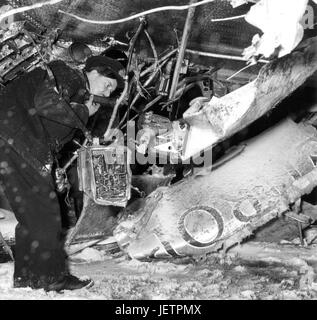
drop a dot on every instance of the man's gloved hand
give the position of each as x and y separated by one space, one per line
92 107
280 22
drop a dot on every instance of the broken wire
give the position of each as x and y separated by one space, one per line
229 18
27 8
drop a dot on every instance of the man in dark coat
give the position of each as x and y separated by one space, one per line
39 113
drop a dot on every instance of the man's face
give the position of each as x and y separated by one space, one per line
101 85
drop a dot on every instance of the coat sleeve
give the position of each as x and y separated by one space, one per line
51 106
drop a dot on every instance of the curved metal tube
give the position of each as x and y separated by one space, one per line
116 107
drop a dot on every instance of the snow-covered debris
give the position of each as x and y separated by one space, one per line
89 255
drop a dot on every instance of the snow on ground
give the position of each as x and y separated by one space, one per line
252 271
8 293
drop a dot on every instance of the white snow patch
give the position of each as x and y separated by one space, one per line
239 269
90 255
289 295
314 286
248 294
311 235
154 267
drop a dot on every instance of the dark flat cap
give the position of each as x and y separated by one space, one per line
109 67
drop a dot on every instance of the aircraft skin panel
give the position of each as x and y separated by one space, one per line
204 213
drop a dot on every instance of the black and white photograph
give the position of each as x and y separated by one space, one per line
158 150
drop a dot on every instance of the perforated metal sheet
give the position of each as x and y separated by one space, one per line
219 36
204 34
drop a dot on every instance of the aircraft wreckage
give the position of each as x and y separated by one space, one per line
219 198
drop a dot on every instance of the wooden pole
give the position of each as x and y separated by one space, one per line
182 49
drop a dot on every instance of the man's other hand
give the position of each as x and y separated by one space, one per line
92 107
